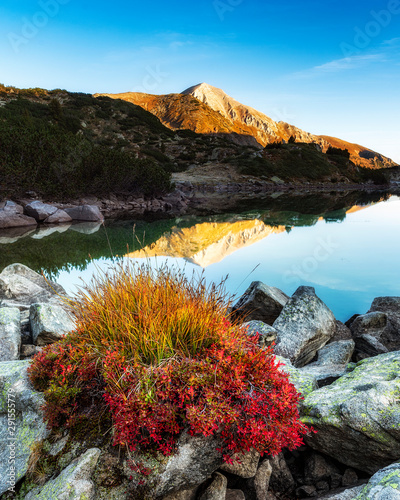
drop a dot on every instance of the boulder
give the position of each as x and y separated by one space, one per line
332 362
73 483
10 219
235 495
384 485
244 465
19 284
217 489
10 333
58 217
39 210
304 382
343 332
17 435
260 302
304 326
258 485
343 494
89 213
49 323
195 460
357 418
11 206
281 478
267 333
183 495
371 332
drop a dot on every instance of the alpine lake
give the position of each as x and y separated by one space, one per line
345 245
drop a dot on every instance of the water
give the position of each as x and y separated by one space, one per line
346 246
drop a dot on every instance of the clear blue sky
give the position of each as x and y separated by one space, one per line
328 66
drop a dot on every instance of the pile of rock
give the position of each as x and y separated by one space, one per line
351 398
32 213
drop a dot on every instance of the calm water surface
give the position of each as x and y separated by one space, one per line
348 248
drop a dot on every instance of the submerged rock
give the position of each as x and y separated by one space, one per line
261 302
304 326
357 418
21 421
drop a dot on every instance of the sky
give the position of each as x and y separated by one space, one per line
330 67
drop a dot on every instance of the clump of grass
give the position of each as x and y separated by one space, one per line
153 314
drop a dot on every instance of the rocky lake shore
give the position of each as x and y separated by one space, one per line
348 375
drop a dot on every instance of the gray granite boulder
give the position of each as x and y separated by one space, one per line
49 323
304 326
58 217
257 486
244 465
39 210
260 302
343 494
89 213
371 332
73 483
11 206
21 285
10 333
217 489
21 421
357 418
332 362
234 495
384 485
10 219
267 333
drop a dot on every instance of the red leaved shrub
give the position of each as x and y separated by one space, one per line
206 377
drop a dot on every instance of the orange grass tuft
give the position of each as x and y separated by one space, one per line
153 314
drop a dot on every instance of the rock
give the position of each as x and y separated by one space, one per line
357 418
11 219
10 333
384 485
304 382
217 489
306 491
73 483
11 206
183 495
332 362
194 462
59 217
259 484
371 332
28 350
350 478
343 494
235 495
18 398
89 213
343 332
316 469
304 326
49 323
261 302
19 284
388 305
39 210
267 333
244 465
281 478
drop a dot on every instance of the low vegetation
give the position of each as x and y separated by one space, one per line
158 353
